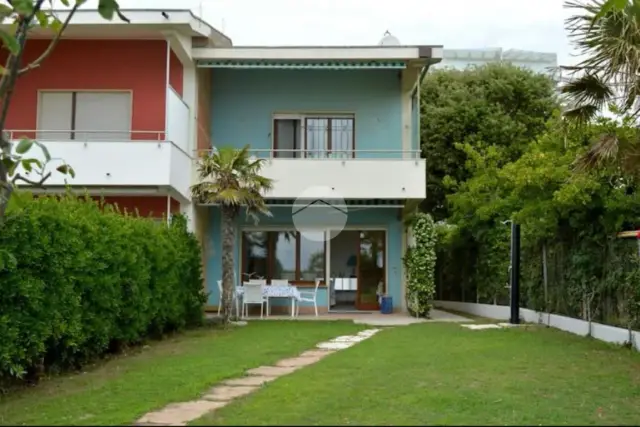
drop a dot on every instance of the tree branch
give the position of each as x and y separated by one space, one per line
39 183
8 81
54 42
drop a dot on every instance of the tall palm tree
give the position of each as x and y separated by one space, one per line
607 33
231 179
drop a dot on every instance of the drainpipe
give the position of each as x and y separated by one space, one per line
168 208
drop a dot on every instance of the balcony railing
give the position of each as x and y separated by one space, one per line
350 174
113 158
315 154
76 135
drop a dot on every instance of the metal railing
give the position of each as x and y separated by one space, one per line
315 154
74 135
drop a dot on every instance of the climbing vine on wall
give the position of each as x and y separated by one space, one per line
420 263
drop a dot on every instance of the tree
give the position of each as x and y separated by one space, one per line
497 105
607 33
24 16
231 179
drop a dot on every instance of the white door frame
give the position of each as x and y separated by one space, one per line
328 258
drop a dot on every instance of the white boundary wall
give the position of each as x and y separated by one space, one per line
599 331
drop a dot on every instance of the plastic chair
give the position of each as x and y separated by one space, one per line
254 294
308 296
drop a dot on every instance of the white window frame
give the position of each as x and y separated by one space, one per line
73 131
302 117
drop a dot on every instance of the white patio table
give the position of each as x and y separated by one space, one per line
277 291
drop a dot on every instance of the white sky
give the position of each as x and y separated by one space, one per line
520 24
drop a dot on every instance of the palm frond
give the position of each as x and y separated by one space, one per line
231 178
610 42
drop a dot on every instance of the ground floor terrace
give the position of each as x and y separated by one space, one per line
355 259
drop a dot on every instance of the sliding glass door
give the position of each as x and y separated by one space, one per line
283 254
371 269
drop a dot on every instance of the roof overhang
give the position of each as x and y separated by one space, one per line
301 57
144 24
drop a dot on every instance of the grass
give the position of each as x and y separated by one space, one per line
430 374
182 368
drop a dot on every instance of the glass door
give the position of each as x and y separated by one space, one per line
371 269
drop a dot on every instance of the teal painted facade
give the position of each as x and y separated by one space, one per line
375 217
244 100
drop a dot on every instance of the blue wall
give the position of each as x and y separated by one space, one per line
384 217
243 102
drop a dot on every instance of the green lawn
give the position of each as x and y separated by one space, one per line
445 374
178 369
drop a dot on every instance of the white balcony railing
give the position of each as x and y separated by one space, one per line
350 174
112 158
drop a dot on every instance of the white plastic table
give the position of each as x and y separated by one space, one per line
275 291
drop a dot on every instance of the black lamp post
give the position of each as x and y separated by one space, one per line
515 274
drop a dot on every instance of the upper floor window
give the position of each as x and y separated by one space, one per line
314 136
84 116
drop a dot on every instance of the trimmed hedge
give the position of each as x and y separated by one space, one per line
78 280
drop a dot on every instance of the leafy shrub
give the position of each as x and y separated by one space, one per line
78 281
420 263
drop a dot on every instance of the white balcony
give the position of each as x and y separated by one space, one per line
354 174
129 159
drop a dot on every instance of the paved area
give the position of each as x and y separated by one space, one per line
375 318
179 414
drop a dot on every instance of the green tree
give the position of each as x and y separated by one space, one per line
231 179
569 223
497 106
25 16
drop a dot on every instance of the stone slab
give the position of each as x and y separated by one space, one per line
512 325
349 338
298 362
251 381
480 327
181 413
271 371
335 345
316 353
227 393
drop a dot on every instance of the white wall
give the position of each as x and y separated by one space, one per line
352 178
180 172
178 120
598 331
121 164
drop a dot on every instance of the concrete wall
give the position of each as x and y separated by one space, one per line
598 331
244 101
84 65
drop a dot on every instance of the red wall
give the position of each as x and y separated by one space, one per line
155 206
136 65
175 73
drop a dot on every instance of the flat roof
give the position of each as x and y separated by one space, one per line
428 54
144 23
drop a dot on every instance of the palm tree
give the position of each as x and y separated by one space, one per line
231 179
607 33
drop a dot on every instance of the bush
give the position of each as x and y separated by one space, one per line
78 281
420 264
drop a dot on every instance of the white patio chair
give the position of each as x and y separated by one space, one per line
234 296
254 294
276 282
308 296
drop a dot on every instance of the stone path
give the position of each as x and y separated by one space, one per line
489 326
179 414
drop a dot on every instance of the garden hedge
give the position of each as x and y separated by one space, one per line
78 280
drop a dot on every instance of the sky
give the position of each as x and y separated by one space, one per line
511 24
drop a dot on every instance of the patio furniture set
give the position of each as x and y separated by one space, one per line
257 291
